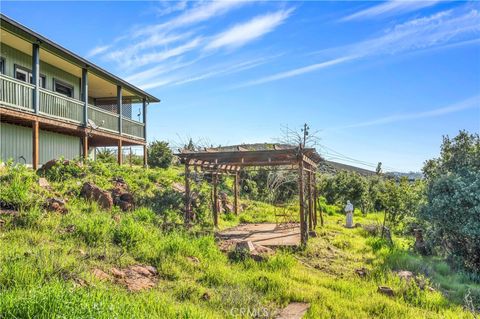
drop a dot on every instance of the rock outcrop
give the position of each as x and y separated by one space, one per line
92 192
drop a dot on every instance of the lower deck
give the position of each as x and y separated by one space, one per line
34 139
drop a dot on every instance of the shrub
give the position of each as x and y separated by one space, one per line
18 188
159 154
453 196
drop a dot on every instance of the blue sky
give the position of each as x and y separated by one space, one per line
380 81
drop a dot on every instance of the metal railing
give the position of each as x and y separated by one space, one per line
19 94
15 93
103 119
60 106
132 128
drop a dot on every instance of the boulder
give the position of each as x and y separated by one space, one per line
43 183
91 191
55 205
245 245
386 291
121 196
405 275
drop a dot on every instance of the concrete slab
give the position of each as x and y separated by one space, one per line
265 234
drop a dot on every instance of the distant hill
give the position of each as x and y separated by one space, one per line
330 167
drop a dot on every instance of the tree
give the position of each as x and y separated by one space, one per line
159 154
453 200
106 155
378 170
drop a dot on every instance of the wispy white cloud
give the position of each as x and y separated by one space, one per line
469 103
169 7
98 50
298 71
432 32
390 8
243 33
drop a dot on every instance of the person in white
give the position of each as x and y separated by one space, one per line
349 214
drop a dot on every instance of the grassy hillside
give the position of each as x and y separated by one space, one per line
48 260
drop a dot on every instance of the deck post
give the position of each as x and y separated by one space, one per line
187 195
85 96
145 156
310 205
35 145
36 77
119 152
144 110
85 145
235 191
303 222
120 109
215 200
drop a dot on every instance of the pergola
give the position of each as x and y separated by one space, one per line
230 162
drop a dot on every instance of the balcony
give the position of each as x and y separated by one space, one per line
19 95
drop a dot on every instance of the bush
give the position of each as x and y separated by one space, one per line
453 194
159 154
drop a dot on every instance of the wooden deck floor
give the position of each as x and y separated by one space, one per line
265 234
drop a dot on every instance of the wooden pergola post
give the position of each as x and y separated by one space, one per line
235 191
310 205
35 145
215 199
188 207
303 222
315 200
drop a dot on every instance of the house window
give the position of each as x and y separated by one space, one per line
2 65
23 74
63 88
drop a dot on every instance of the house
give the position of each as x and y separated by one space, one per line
54 103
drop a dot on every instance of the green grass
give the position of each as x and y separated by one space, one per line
44 256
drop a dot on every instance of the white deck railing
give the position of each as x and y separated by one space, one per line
15 93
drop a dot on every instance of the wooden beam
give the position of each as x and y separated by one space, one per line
188 207
303 222
35 145
119 152
235 191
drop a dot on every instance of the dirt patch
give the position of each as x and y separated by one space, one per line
134 278
295 310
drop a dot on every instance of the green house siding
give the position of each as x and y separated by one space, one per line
14 57
55 145
16 141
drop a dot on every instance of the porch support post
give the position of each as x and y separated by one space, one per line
36 77
215 200
188 207
310 205
145 156
303 222
119 153
235 191
120 109
35 145
85 145
85 95
144 105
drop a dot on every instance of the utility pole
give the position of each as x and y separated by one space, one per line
305 134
